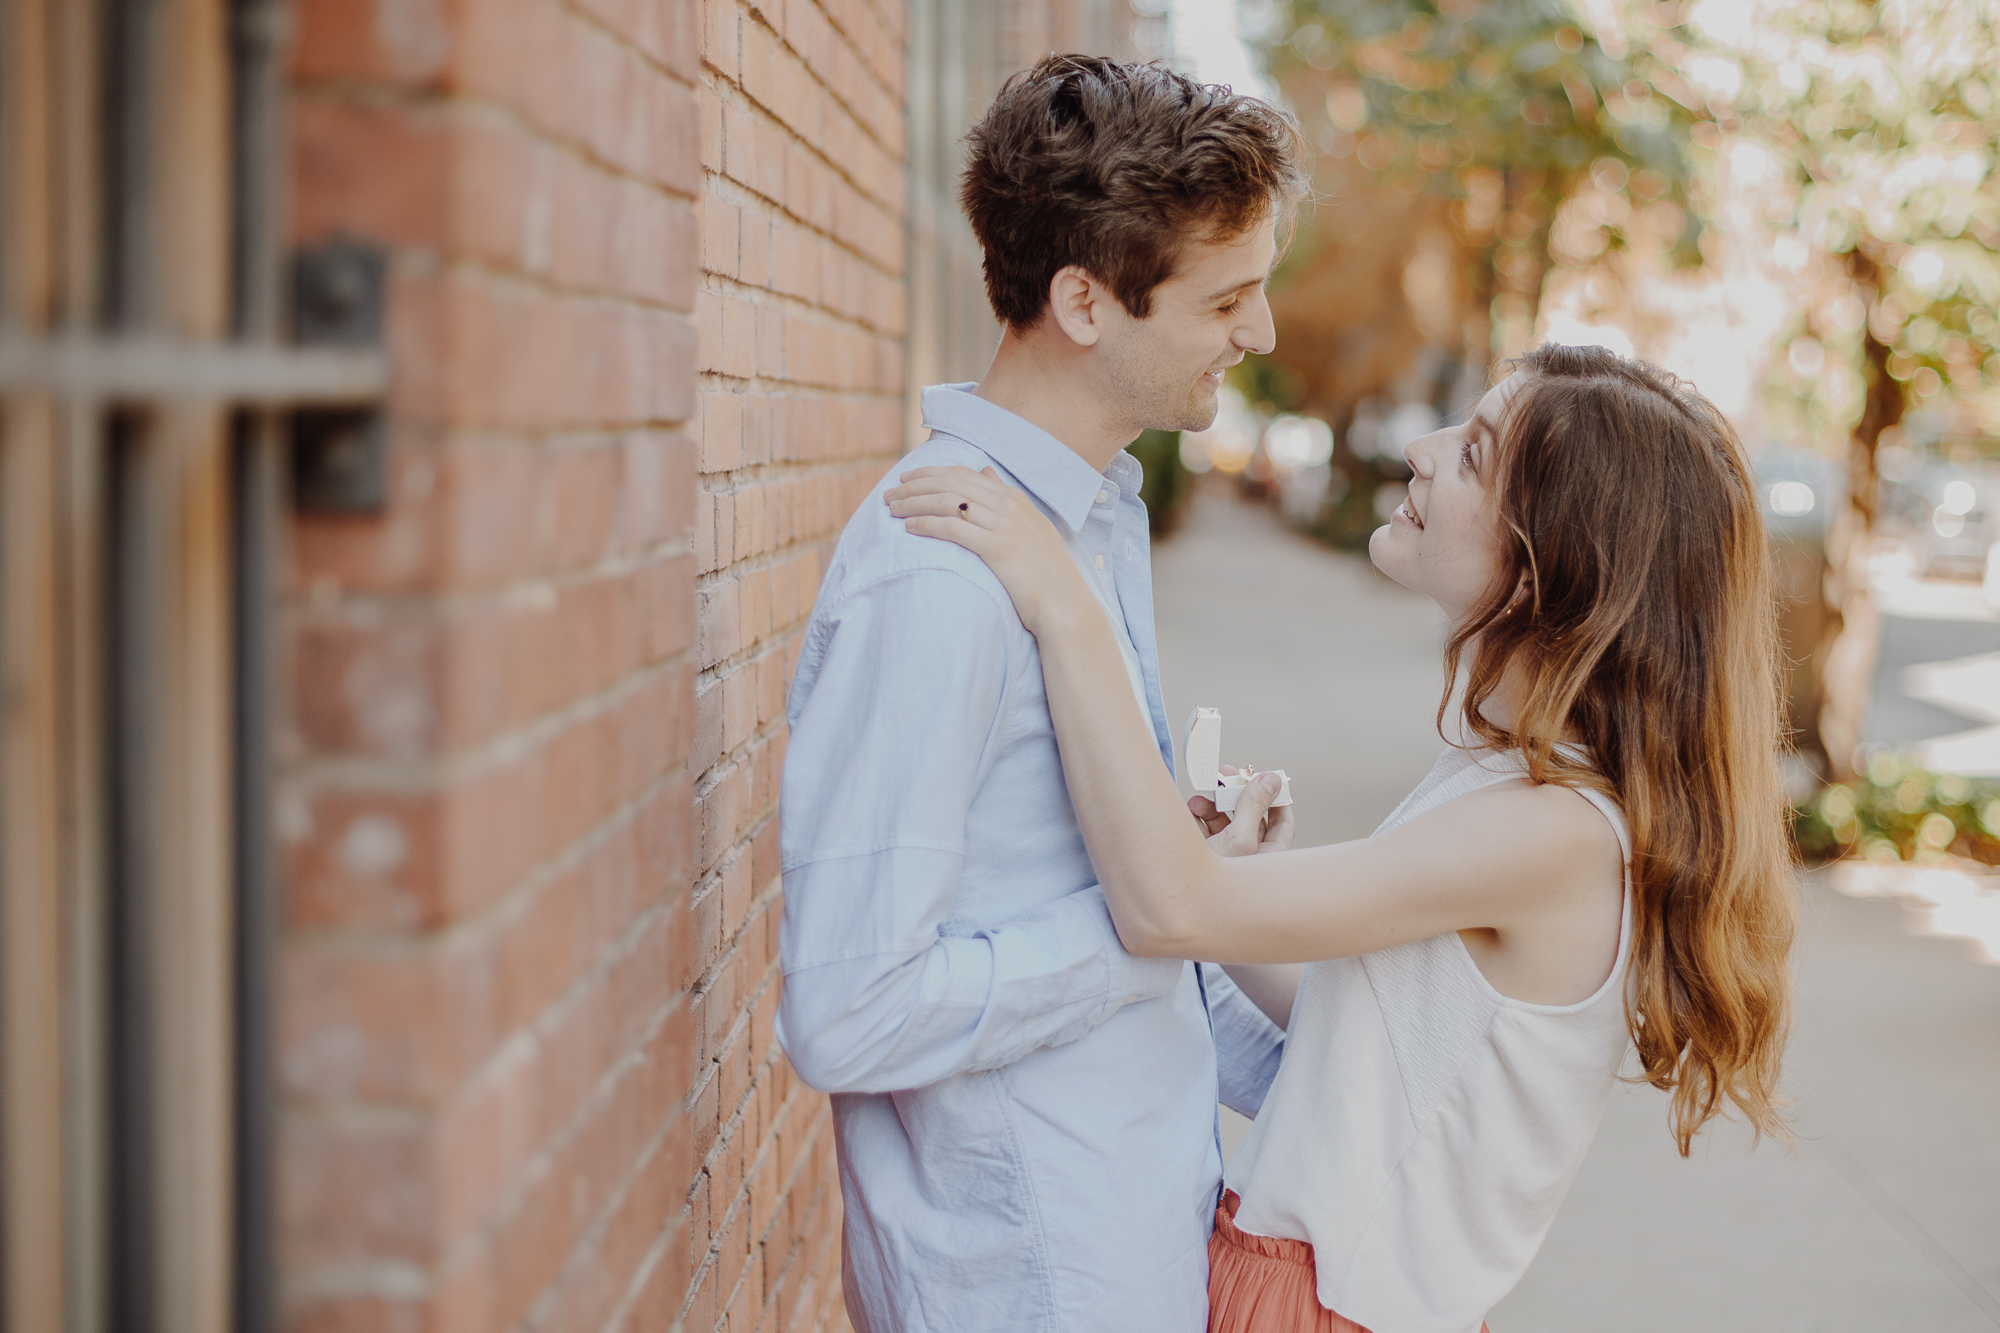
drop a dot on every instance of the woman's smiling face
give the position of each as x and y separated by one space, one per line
1444 541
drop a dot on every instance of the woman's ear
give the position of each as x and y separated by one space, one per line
1075 303
1524 592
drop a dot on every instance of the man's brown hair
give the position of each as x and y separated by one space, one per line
1115 167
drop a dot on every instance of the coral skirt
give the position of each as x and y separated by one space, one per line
1263 1284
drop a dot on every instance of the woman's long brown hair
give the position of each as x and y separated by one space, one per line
1635 610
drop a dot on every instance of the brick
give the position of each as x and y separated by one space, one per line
383 172
667 607
665 34
413 49
580 487
770 335
754 264
353 1195
370 686
737 891
721 236
765 173
710 110
400 550
583 604
610 235
529 360
659 488
577 83
719 636
367 859
361 1314
758 71
739 338
401 1027
719 37
487 1139
757 428
739 143
721 431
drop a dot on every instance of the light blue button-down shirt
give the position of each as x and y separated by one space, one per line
1025 1112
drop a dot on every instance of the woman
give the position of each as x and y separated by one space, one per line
1601 863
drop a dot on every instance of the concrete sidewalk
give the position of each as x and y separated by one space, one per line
1886 1219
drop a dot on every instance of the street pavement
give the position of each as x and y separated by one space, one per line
1937 672
1886 1215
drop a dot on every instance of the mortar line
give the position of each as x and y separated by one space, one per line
819 77
718 283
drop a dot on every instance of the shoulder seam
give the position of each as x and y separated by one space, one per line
848 594
873 849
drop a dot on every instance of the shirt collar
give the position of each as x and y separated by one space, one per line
1051 471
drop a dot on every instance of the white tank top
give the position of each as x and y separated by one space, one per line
1423 1127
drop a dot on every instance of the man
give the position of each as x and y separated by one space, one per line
1025 1113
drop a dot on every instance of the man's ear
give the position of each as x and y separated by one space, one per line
1076 303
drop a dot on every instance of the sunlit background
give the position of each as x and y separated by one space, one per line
1791 205
424 427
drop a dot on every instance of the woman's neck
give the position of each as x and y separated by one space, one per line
1504 705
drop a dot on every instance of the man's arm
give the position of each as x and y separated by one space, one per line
885 755
1248 1045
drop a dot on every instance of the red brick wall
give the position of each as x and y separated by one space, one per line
647 319
801 311
489 1015
529 1071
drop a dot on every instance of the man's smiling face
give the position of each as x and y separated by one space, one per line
1166 370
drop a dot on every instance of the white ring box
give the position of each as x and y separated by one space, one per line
1202 752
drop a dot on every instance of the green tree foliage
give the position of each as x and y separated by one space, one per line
1167 485
1897 811
1507 107
1884 115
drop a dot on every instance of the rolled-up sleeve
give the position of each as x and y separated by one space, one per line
893 725
1248 1045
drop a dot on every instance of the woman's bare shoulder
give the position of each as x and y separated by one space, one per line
1521 835
1558 817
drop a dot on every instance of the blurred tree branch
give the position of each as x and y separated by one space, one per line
1565 128
1508 109
1885 116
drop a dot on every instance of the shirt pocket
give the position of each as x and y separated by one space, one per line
978 1257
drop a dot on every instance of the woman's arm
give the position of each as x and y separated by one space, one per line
1272 987
1503 856
1123 798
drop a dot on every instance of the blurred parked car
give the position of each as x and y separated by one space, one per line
1801 490
1956 513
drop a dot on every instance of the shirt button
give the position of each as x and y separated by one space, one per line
1102 496
1100 562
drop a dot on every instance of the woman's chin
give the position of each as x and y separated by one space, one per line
1378 549
1382 554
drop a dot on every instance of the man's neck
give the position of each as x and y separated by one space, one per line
1045 386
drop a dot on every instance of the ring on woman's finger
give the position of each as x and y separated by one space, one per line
964 509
